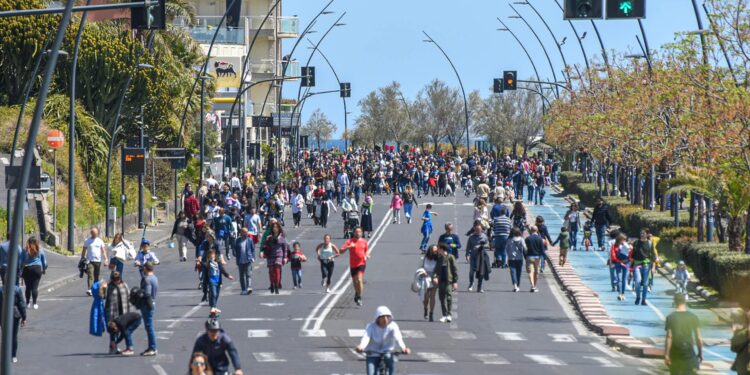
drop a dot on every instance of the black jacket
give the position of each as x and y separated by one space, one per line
217 352
19 308
601 216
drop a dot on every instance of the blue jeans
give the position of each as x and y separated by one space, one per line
500 255
373 364
531 192
516 269
148 323
613 280
213 294
641 276
601 231
297 276
119 265
407 210
425 240
573 230
621 271
246 275
357 193
128 334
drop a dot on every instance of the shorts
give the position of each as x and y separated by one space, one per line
357 270
532 264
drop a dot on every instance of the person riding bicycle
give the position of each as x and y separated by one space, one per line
380 340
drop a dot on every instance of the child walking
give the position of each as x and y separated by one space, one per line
396 204
587 234
296 257
564 239
426 227
214 271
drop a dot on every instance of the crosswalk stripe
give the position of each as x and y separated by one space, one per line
491 359
562 337
544 360
462 335
605 362
325 357
436 357
356 332
268 357
313 333
258 333
410 334
511 336
164 335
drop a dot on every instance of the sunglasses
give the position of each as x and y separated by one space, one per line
196 363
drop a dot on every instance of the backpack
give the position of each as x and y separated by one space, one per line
139 298
622 253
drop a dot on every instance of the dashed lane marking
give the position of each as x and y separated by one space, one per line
435 357
491 359
268 357
562 337
605 362
325 357
258 333
544 360
511 336
462 335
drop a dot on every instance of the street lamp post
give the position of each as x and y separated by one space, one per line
544 49
346 114
523 47
460 83
558 43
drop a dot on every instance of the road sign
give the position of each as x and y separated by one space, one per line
262 121
55 139
170 153
13 177
133 161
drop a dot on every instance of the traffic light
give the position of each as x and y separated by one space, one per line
308 76
626 9
152 17
509 80
497 86
346 89
583 9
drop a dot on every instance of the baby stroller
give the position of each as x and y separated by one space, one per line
351 221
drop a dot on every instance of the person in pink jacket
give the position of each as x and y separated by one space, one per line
396 204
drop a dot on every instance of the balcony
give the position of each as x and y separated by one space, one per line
265 68
287 108
203 30
288 27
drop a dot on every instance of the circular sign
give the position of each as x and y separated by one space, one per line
55 139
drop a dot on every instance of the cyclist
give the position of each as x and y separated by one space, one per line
217 346
380 340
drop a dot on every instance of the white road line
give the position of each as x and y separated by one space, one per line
258 333
325 357
491 359
462 335
435 357
606 350
562 337
604 362
267 293
544 360
187 315
264 319
159 370
273 304
268 357
310 333
356 332
164 335
511 336
412 334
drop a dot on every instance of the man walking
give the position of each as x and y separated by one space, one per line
683 335
4 255
244 253
447 281
359 252
95 252
150 286
601 219
500 231
451 241
223 229
534 256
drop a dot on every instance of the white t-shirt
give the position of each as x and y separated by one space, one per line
94 249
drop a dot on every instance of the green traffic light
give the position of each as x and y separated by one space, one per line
626 7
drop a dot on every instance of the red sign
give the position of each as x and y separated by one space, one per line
55 139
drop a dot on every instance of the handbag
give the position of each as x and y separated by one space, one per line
739 341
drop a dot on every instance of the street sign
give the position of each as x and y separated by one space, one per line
55 139
262 121
304 141
133 161
626 9
178 164
13 177
170 153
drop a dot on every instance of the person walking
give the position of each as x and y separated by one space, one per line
97 318
447 281
95 253
518 216
145 255
601 219
121 250
122 328
642 256
429 265
426 228
218 348
501 225
276 252
546 239
409 202
476 256
396 203
451 240
366 218
515 248
620 258
683 336
573 220
326 252
740 342
214 271
4 255
534 256
297 203
564 240
150 286
244 255
222 226
296 258
181 229
116 303
359 252
33 266
19 317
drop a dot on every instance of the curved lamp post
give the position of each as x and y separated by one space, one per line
544 49
526 51
343 99
463 91
558 43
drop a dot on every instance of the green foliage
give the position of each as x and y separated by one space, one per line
713 263
681 233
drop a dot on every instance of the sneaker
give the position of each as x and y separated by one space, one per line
448 319
115 351
128 352
15 360
644 303
323 283
515 289
294 287
328 290
471 288
443 319
88 292
243 293
149 353
359 302
250 291
480 291
36 307
638 301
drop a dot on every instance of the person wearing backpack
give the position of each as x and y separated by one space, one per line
642 257
620 258
150 286
515 248
683 335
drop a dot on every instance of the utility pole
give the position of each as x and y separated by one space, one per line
140 176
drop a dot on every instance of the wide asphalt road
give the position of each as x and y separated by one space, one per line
307 331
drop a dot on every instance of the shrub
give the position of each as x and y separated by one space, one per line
679 233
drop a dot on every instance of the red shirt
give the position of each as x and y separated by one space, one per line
358 253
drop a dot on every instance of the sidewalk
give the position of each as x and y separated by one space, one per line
645 323
64 269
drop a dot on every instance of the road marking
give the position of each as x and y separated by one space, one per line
604 362
412 334
606 350
544 360
462 335
268 357
273 304
187 315
258 333
491 359
164 335
318 333
356 332
159 370
264 319
325 357
268 293
436 357
562 337
511 336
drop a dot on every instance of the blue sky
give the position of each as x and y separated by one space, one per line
382 42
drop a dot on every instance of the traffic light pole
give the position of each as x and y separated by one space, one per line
531 60
140 176
578 37
346 114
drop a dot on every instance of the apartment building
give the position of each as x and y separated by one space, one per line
231 48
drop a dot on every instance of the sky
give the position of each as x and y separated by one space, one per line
382 42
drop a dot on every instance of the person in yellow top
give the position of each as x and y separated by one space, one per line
657 262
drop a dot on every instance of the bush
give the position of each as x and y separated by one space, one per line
679 233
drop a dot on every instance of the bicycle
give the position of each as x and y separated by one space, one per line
383 367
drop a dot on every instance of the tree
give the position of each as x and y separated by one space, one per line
319 127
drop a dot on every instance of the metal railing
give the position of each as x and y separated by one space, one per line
205 26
